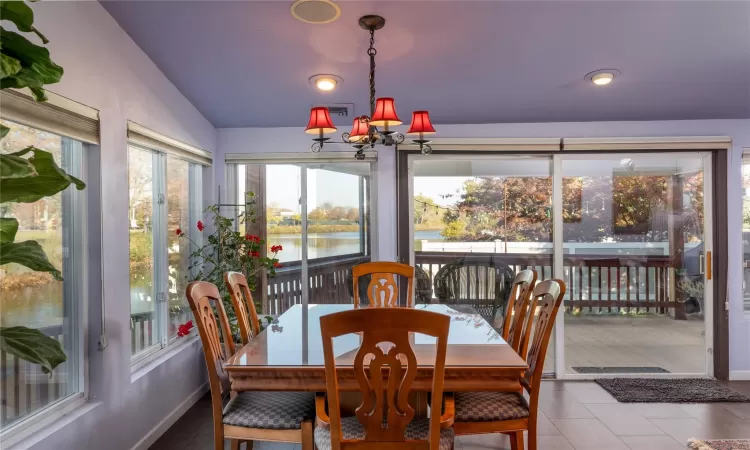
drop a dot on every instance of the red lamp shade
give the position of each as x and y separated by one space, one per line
360 129
385 113
420 123
320 121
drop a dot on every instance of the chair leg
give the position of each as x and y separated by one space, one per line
234 444
532 435
248 445
307 436
516 441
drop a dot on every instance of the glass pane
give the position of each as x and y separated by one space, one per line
178 249
337 213
634 264
477 223
143 315
35 299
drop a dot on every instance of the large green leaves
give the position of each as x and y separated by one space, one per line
8 229
37 69
29 254
8 66
48 180
33 346
13 165
21 15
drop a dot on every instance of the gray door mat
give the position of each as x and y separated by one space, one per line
664 390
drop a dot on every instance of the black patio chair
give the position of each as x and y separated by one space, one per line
482 282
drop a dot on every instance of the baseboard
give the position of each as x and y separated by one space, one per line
160 428
739 375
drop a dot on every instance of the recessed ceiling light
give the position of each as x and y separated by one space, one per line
602 77
326 82
315 11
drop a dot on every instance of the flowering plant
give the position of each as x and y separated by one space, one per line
184 329
228 250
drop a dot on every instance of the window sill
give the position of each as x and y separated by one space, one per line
153 361
40 426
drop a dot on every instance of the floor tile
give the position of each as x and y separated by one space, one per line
588 434
562 405
545 427
651 443
628 424
683 429
587 392
646 410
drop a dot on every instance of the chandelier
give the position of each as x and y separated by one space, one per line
375 129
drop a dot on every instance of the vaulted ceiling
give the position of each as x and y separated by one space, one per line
247 63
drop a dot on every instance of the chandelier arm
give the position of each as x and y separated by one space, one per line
372 52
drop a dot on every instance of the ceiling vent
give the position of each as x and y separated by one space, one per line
340 111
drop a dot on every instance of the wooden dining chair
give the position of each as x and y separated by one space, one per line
509 412
385 367
383 288
248 416
516 312
244 306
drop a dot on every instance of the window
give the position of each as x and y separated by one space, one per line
165 195
35 299
746 232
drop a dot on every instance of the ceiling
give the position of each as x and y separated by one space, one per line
247 63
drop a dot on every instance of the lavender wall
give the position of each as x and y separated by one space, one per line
104 69
249 140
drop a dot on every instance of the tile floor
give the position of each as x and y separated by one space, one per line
574 416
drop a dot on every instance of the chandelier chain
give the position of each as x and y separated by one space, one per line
372 52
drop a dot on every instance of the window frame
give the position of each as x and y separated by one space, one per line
164 343
744 161
74 205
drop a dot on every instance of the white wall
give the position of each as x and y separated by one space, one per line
104 69
240 140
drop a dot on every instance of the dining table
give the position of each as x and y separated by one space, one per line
288 354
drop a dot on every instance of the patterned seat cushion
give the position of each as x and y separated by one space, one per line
270 410
418 429
489 406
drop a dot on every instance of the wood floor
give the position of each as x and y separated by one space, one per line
575 416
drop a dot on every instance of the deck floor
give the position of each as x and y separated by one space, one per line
641 341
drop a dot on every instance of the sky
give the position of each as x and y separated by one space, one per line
323 186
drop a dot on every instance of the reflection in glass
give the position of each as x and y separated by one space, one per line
142 290
34 299
178 249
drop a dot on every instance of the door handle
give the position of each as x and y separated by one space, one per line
708 265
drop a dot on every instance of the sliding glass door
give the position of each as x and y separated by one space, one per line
628 233
319 213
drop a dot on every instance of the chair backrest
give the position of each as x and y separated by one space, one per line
383 289
203 298
547 297
518 304
244 306
474 278
385 367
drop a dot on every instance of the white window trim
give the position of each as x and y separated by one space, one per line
165 348
744 160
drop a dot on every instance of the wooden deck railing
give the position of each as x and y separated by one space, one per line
328 282
25 388
638 284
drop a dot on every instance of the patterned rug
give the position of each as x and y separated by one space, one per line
724 444
664 390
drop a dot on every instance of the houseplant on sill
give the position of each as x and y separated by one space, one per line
228 250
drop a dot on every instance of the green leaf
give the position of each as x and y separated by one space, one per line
33 346
3 131
29 254
49 180
8 229
13 166
8 65
37 69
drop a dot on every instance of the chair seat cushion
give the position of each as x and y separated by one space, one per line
270 410
490 406
418 429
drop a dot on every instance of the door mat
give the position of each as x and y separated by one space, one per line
663 390
591 369
722 444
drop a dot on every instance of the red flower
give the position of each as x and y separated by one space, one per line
184 329
255 254
277 248
200 226
252 238
179 232
277 264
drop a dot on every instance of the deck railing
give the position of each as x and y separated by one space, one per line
639 284
24 387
